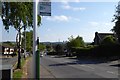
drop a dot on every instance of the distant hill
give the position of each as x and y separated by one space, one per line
10 43
47 43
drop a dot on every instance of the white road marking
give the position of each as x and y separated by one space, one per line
66 61
90 67
112 72
82 65
87 66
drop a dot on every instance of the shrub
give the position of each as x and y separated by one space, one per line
83 51
75 42
51 53
98 51
108 40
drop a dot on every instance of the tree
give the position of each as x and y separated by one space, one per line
59 49
29 40
75 42
108 40
49 47
42 47
17 15
116 28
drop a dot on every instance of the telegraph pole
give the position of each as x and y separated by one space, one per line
35 39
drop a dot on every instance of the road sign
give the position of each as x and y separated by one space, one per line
44 8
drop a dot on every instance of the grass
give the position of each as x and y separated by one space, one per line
19 72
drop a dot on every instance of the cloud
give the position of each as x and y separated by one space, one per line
62 18
58 18
68 7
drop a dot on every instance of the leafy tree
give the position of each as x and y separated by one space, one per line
116 28
75 42
29 40
59 49
42 47
49 47
17 15
108 40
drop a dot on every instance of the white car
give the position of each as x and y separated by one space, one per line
41 54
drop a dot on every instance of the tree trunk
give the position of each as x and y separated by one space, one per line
19 51
24 42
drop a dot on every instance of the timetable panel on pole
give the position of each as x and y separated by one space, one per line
44 7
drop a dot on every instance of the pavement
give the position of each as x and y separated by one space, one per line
44 73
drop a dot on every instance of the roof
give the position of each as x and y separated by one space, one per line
103 35
100 36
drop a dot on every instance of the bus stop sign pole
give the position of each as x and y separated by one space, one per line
35 52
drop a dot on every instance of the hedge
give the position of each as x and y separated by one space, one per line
98 51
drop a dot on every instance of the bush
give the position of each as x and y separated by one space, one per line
98 51
107 50
51 53
108 40
83 51
59 48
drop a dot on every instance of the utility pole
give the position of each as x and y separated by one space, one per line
35 65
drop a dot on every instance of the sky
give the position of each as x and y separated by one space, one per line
71 18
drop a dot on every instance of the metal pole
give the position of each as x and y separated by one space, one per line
34 38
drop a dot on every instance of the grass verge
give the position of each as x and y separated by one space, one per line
19 72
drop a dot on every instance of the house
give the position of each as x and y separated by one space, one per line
6 49
100 36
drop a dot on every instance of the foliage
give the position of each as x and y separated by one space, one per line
42 47
108 40
51 53
75 42
19 72
8 43
59 48
49 47
98 51
116 28
29 40
15 13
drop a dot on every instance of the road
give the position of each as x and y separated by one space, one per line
63 67
8 61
